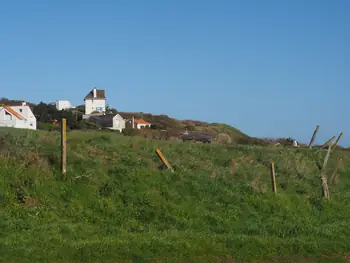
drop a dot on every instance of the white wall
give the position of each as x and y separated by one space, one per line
118 123
29 121
26 112
5 121
139 126
92 105
63 104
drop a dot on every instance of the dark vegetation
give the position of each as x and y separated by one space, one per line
117 203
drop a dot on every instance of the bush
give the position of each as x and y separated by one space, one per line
158 126
47 126
190 127
251 141
128 131
224 138
146 133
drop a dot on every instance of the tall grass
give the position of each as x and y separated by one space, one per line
118 203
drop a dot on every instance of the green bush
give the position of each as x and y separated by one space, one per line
190 128
129 131
47 126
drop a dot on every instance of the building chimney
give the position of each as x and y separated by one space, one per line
133 122
24 103
95 92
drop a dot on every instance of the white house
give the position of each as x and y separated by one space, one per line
109 121
17 117
63 105
95 101
140 123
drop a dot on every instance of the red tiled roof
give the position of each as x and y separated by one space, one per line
140 121
13 112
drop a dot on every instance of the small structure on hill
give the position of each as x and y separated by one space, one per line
63 105
17 117
109 121
197 137
140 123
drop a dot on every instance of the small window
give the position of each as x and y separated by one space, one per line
8 116
20 110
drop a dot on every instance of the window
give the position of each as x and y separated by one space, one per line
8 116
20 110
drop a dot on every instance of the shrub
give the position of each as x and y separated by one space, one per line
158 126
47 126
251 141
224 138
146 133
190 127
128 131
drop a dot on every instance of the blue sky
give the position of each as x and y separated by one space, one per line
273 68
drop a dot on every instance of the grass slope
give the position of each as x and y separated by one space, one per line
116 204
176 127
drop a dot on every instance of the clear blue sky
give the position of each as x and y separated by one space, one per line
273 68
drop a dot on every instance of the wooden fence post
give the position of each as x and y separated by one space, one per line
64 146
273 177
323 172
327 142
313 136
164 160
336 142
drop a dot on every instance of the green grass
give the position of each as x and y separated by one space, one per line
117 203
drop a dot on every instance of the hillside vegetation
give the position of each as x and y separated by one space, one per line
47 114
177 127
117 203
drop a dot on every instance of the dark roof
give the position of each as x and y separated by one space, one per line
100 94
126 116
103 120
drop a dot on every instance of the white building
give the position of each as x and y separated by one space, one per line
63 105
17 117
109 121
140 123
95 101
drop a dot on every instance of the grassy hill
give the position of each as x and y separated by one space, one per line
177 127
118 204
46 113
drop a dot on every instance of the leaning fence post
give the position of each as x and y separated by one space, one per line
323 172
164 160
336 142
313 136
273 177
64 146
327 142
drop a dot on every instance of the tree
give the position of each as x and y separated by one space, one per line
46 113
110 110
80 108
